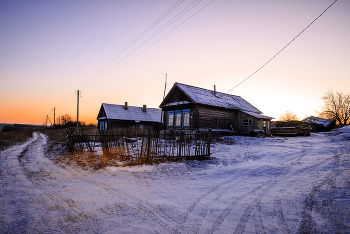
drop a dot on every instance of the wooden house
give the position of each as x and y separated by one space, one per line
113 116
189 107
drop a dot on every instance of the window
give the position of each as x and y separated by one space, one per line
179 118
247 122
103 125
170 118
186 116
178 115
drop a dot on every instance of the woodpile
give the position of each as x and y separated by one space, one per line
290 128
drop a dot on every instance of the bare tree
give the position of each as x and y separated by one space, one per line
336 106
64 119
288 115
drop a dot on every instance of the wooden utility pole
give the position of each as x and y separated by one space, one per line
166 76
54 118
78 110
161 113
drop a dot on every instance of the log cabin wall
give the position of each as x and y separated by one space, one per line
247 123
211 117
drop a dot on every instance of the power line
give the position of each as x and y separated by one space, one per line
169 23
284 46
65 100
171 9
88 106
98 76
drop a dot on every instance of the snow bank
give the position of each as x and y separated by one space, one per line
340 134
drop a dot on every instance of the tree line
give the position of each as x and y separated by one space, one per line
67 121
336 106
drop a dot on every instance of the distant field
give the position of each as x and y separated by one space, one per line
14 136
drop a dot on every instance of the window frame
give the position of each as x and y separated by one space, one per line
103 125
247 122
186 114
178 121
171 113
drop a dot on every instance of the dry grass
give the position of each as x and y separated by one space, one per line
14 136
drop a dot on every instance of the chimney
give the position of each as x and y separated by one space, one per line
144 109
215 90
126 106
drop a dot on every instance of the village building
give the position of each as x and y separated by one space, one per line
113 116
320 124
189 107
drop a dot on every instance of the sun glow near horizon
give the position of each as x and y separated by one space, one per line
42 66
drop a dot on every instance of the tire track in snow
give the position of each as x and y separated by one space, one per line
277 204
281 221
19 196
217 196
221 218
307 224
255 206
72 218
181 225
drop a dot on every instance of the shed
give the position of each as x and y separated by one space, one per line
320 124
112 116
190 107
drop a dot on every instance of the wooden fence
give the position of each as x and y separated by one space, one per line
146 148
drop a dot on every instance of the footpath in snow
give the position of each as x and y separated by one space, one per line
252 185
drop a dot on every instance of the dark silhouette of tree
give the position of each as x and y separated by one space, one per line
288 115
65 120
336 106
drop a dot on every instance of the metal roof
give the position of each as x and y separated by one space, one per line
256 115
317 120
133 113
217 99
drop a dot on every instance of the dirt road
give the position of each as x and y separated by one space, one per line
297 185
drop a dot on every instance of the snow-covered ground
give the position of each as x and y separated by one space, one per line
252 185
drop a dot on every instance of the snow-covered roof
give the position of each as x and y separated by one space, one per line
177 103
208 97
256 115
317 120
118 112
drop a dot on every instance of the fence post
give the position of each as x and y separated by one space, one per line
208 143
148 147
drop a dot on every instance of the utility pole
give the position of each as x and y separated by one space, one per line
54 118
78 92
161 113
166 76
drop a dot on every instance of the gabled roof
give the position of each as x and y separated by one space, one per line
208 97
317 120
133 113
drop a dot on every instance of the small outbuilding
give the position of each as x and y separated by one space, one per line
113 116
320 124
189 107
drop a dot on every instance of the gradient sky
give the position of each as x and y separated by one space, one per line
49 49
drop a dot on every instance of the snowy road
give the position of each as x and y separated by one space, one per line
254 185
